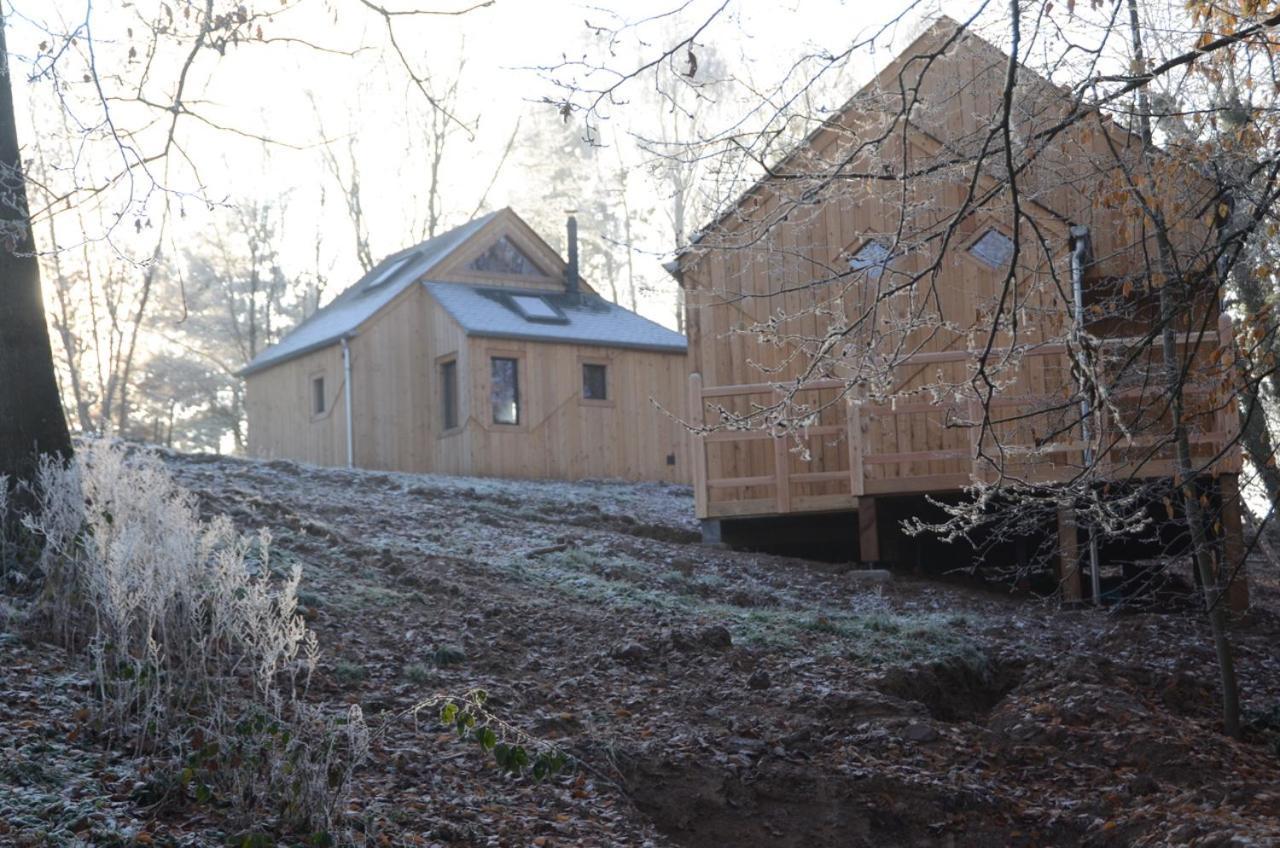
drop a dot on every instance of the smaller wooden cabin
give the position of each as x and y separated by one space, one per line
478 352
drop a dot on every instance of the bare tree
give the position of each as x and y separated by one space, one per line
35 425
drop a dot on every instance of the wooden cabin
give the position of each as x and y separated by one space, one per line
807 261
478 352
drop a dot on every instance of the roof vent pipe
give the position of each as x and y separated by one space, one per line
571 270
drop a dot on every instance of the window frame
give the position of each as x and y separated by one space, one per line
518 360
449 360
966 247
606 364
872 271
316 380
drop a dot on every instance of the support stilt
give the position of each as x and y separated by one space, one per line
1233 543
1068 555
868 532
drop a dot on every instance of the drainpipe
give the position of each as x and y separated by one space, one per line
346 395
1079 260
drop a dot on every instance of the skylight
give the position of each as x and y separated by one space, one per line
535 308
993 249
873 258
389 271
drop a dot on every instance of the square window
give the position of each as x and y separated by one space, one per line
873 257
449 393
504 389
317 396
595 382
994 249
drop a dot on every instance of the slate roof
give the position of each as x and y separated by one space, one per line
481 311
582 319
341 316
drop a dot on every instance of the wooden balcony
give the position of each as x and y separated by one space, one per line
859 449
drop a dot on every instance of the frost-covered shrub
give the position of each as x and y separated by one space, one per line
197 649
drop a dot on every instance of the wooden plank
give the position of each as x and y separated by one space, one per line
697 448
854 437
915 456
782 474
740 482
820 477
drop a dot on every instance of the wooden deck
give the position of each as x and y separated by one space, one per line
859 449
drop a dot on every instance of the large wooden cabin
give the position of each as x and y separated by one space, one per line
478 352
818 242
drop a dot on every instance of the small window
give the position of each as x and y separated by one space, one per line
595 381
317 396
994 249
449 393
873 257
535 308
504 389
388 270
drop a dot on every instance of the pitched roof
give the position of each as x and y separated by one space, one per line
577 319
341 316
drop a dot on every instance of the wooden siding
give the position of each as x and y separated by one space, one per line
560 434
783 250
278 401
398 420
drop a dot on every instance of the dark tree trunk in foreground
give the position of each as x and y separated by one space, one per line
31 418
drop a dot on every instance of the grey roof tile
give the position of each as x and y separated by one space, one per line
346 312
586 318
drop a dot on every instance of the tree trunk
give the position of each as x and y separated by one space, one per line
1176 286
31 417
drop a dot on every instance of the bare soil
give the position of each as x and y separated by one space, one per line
711 697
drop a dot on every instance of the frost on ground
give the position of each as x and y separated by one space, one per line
711 697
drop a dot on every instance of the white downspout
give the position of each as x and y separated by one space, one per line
346 395
1079 258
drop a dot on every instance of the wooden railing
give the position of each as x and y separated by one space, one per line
870 466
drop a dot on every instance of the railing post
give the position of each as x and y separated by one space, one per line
974 411
782 474
698 445
853 425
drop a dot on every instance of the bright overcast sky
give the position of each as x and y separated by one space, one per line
270 90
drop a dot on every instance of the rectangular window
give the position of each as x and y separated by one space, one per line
504 389
595 383
317 395
449 393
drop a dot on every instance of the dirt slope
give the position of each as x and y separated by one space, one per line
715 698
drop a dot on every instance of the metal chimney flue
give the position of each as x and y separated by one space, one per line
571 271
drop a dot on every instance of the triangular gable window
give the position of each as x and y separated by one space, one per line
503 257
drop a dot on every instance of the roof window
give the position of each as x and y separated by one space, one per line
535 308
994 249
389 270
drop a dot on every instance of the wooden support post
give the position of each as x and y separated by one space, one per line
698 445
868 531
853 425
782 473
974 410
1233 543
1068 555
